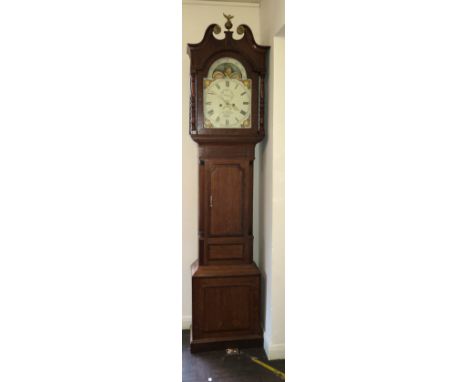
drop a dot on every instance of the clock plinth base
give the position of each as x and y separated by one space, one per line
225 309
197 346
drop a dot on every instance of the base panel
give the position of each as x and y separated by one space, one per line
225 307
197 346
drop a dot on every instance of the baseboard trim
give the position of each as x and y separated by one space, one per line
273 351
186 322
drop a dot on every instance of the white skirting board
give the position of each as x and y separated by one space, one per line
186 322
273 351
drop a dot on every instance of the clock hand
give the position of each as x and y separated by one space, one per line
237 109
226 103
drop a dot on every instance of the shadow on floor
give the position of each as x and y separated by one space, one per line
221 367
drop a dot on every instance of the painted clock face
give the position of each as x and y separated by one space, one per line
227 95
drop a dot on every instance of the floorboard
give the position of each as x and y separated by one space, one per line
221 367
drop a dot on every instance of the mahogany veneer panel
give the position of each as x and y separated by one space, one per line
232 294
226 190
225 252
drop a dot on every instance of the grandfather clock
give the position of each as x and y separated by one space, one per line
227 121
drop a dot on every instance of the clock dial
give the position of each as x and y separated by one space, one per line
227 103
227 95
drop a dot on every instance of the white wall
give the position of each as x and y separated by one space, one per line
272 192
196 16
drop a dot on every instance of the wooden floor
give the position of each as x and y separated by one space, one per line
221 367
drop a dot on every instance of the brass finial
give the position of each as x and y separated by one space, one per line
228 24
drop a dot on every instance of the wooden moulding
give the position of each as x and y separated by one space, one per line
252 341
211 151
224 270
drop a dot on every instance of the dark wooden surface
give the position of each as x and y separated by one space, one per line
226 308
246 342
220 270
226 299
226 186
221 367
226 207
225 281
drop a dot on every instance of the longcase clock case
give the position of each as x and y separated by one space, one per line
225 280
